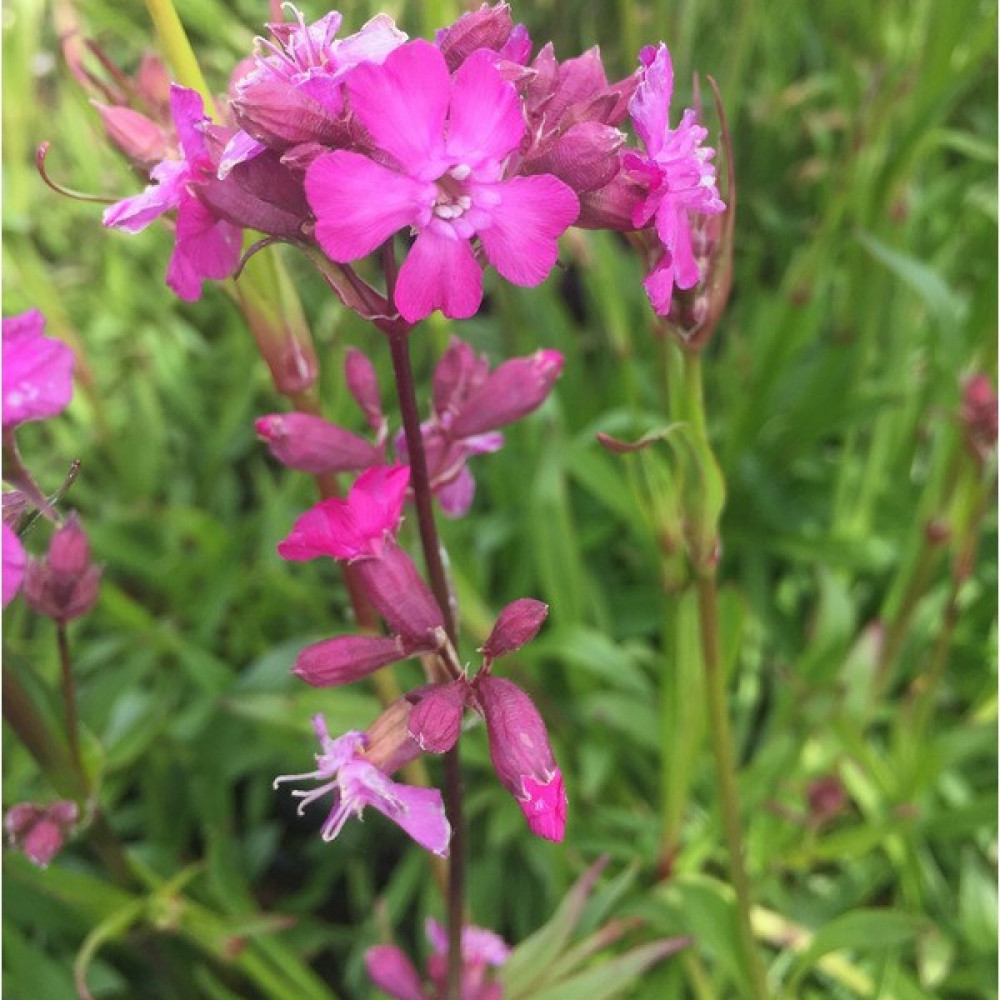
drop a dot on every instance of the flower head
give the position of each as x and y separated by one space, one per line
355 783
678 173
206 246
357 527
443 146
37 370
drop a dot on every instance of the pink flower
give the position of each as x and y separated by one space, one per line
680 178
13 564
37 371
64 585
39 831
445 140
355 783
357 527
206 246
393 973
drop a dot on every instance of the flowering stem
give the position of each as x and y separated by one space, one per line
69 696
704 548
399 347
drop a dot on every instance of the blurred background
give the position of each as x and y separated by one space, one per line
865 291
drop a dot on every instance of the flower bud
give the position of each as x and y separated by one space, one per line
389 745
362 384
486 28
399 594
39 831
515 626
521 755
614 205
436 719
312 444
979 415
459 372
584 157
138 137
280 115
64 585
510 392
393 973
347 658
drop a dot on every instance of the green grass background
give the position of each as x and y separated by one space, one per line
865 142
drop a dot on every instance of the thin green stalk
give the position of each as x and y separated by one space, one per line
69 697
178 49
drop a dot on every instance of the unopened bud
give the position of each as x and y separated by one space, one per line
515 626
979 415
64 585
138 137
362 384
399 594
348 658
436 720
584 157
40 831
314 445
279 115
486 28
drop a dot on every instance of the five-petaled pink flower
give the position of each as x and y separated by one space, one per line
206 246
354 528
443 143
678 172
355 783
37 370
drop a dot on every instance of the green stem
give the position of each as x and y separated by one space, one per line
178 49
69 697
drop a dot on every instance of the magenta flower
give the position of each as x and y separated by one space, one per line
65 584
354 528
13 564
393 973
206 246
446 141
678 172
356 783
39 831
37 371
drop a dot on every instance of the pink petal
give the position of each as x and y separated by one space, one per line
531 214
393 973
545 806
241 148
37 370
188 110
650 104
486 121
659 286
359 204
373 43
456 497
403 104
135 213
440 272
418 811
13 564
378 496
206 247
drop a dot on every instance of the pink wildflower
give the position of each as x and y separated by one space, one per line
354 528
64 585
356 783
39 831
206 246
37 371
680 178
447 140
13 564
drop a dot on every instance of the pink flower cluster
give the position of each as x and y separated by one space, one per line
362 530
477 151
469 406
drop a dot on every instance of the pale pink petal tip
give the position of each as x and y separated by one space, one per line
393 973
13 564
545 806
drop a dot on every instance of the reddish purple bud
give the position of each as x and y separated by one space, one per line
459 373
39 831
347 658
979 415
312 444
436 720
584 157
516 625
65 584
614 205
153 84
393 973
486 28
521 755
362 384
826 797
399 594
280 115
138 137
510 392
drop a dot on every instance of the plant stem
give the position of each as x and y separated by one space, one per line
178 49
69 697
399 347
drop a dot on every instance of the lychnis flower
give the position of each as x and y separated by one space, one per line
441 143
37 370
678 172
355 783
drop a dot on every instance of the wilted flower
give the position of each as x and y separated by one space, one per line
39 831
446 140
37 371
355 783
